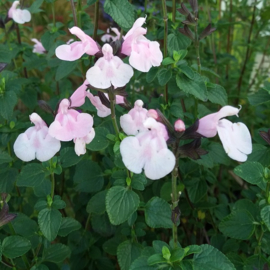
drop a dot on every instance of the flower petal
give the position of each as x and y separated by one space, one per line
70 52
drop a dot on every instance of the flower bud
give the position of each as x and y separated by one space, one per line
152 113
179 126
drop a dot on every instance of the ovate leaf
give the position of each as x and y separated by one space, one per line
15 246
121 202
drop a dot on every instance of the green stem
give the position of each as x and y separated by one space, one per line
267 192
53 181
87 223
112 102
174 203
165 19
258 248
197 46
96 19
74 12
53 13
145 6
79 10
173 10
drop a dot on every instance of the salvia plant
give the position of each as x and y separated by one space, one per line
135 135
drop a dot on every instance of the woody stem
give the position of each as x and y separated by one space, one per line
112 103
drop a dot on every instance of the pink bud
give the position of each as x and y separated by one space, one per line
152 113
179 125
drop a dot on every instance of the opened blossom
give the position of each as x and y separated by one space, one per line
235 137
143 53
69 123
20 16
38 47
109 70
133 122
80 143
35 142
75 50
148 150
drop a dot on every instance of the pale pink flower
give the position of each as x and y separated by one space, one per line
235 137
77 49
18 15
70 124
80 143
109 70
108 37
148 150
143 53
152 113
132 122
38 47
77 99
179 125
102 110
35 142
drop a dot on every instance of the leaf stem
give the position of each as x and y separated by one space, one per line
52 180
165 19
197 46
74 13
96 19
79 10
112 103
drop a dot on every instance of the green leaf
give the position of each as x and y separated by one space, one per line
238 225
68 157
177 255
166 253
68 225
8 177
192 249
187 71
167 61
24 226
49 221
88 176
110 246
259 97
211 258
5 54
15 246
97 204
35 7
138 181
197 188
7 103
196 88
158 213
141 264
180 55
120 204
265 215
151 75
100 141
121 11
48 40
156 258
102 225
252 172
256 262
4 157
177 42
64 69
56 253
31 175
40 267
164 75
217 94
127 252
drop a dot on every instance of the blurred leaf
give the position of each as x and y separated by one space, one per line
259 97
68 157
265 215
31 175
211 256
64 69
238 225
8 100
68 225
4 157
217 94
35 7
177 42
127 252
158 213
164 75
15 246
56 253
96 204
100 141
